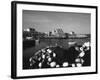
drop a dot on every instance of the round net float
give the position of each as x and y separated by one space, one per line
77 60
77 48
87 44
31 64
54 55
39 58
40 65
73 65
43 50
79 65
43 56
57 65
52 64
49 59
65 64
82 61
81 54
49 50
81 48
30 59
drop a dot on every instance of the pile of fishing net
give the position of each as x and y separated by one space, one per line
56 56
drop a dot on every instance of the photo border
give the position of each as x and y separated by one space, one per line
14 37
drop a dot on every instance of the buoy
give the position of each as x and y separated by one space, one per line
49 50
49 59
40 65
77 60
57 65
54 55
78 64
65 64
73 65
53 64
81 54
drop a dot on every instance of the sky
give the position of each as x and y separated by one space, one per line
45 21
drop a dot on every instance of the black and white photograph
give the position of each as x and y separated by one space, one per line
53 39
56 39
